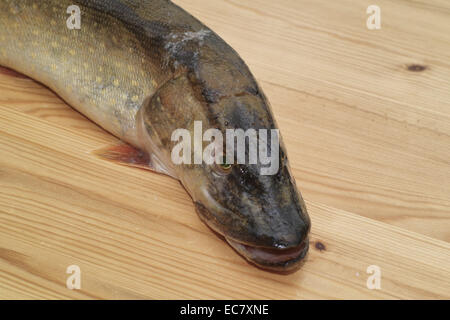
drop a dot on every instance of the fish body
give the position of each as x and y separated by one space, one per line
142 69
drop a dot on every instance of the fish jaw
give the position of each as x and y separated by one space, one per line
281 260
272 258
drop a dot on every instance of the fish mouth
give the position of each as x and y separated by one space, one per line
280 260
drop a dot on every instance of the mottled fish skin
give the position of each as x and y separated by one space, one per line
101 70
141 69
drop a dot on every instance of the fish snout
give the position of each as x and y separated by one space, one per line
283 226
288 231
276 240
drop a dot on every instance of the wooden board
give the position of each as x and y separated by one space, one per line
365 116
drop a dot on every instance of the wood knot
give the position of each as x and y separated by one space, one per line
416 68
320 246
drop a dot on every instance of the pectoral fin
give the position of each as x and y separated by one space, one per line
127 155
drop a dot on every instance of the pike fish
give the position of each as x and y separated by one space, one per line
144 68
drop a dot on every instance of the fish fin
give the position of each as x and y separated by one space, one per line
126 155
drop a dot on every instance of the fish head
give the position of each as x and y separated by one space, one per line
261 215
260 212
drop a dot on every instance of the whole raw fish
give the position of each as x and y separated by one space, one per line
142 69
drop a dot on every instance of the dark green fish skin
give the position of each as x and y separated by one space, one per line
141 69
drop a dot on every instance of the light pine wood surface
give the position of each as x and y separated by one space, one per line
365 116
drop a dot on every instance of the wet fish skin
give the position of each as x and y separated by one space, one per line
141 69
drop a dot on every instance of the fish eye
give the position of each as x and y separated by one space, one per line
223 167
226 166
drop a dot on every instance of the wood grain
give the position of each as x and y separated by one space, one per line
365 116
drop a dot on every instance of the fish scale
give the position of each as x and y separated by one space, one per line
85 67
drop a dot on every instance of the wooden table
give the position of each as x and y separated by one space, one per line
365 116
